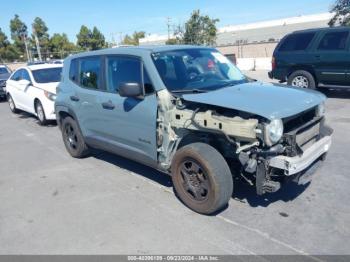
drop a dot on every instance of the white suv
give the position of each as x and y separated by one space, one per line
33 89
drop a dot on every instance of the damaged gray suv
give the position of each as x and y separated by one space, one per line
190 113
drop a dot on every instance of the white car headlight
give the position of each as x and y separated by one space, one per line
321 109
50 96
273 132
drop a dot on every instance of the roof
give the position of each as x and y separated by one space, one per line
43 66
323 29
137 50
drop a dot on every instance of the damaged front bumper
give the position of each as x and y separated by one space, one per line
299 168
294 165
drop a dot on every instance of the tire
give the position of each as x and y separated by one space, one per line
40 112
302 79
73 139
12 104
201 178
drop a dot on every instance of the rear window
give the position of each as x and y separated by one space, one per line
296 42
47 75
334 41
89 74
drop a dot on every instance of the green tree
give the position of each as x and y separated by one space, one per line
19 31
341 8
84 38
7 51
60 46
3 39
134 39
178 36
41 30
97 39
172 41
90 40
200 30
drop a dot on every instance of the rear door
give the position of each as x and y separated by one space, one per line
89 86
332 57
13 87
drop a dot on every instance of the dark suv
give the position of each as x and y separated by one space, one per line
313 58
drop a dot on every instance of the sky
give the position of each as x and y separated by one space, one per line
119 17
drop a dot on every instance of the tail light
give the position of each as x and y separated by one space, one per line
273 62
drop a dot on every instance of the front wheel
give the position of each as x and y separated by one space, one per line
40 113
302 79
202 178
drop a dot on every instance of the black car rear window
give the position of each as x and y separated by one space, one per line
334 41
296 42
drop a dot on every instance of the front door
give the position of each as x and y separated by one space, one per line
128 123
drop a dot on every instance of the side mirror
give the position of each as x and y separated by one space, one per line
131 90
24 83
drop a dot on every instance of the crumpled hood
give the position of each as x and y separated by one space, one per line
50 87
271 101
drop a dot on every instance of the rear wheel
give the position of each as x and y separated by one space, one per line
202 178
12 104
302 79
73 139
40 113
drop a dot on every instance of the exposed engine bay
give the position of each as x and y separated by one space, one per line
241 138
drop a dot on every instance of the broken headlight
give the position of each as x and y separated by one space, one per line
273 132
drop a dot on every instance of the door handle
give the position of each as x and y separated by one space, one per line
108 105
74 98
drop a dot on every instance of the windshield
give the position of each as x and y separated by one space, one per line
196 70
3 70
47 75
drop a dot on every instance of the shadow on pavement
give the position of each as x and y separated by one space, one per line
136 168
27 116
246 193
242 191
336 93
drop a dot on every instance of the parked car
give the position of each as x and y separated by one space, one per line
314 58
33 89
189 112
59 61
5 73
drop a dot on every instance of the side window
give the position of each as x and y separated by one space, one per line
73 70
25 75
90 76
296 42
147 82
122 70
17 75
334 41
